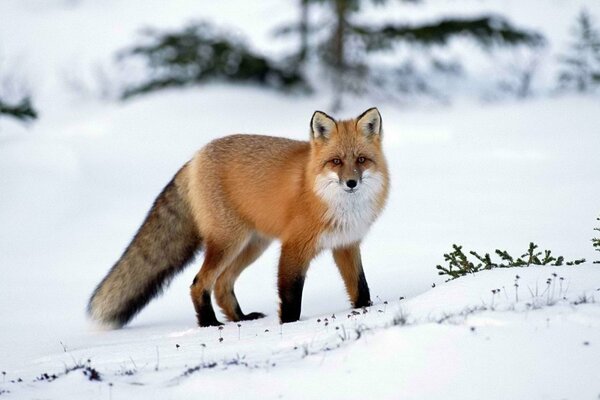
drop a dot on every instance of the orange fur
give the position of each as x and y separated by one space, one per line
348 262
246 185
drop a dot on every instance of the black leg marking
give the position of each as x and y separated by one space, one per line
291 300
364 297
240 316
205 312
247 317
252 315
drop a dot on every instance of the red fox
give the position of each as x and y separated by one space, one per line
237 195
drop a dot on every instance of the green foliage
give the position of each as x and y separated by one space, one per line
459 263
23 110
487 31
200 53
596 242
581 65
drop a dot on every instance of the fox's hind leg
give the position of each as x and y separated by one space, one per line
224 292
217 255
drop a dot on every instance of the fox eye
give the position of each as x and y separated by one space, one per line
361 160
336 161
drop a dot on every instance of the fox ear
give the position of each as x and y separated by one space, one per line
321 125
369 122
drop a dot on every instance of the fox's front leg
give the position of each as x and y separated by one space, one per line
293 264
349 263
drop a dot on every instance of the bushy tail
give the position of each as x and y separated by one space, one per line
166 242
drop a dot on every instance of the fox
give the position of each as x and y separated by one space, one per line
236 196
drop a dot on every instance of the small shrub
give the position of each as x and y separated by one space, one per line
459 263
596 242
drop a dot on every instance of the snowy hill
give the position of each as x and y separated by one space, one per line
455 341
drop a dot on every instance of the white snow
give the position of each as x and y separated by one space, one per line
457 341
75 186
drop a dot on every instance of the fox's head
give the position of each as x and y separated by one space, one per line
347 155
350 173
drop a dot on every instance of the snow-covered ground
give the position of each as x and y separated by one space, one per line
457 341
75 186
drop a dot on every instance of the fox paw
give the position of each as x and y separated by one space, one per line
204 322
252 315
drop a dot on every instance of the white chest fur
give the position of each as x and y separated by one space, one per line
350 214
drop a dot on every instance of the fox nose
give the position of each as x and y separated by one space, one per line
351 183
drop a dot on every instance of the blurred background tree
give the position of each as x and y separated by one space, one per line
345 52
22 110
581 64
348 46
200 53
15 96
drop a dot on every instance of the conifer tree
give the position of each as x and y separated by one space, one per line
22 110
344 50
581 64
201 53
